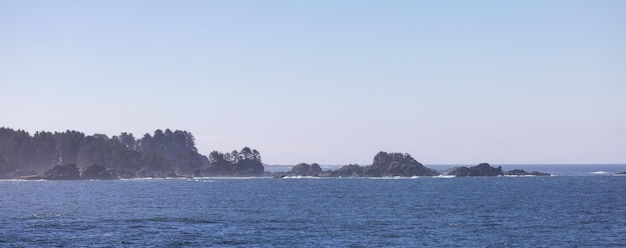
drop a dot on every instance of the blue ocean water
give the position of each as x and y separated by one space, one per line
560 211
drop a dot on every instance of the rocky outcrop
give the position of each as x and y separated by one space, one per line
62 172
396 164
518 172
481 170
97 172
23 174
352 170
459 172
119 174
304 169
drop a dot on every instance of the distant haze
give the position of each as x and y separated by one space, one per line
329 82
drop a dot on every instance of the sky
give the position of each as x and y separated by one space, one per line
329 82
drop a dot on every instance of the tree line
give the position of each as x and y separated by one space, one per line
163 153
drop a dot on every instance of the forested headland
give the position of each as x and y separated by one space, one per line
161 154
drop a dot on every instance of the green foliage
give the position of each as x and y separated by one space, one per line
246 162
165 153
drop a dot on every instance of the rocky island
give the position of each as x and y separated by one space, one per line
518 172
72 155
401 165
483 169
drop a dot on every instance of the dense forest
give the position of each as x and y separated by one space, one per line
164 153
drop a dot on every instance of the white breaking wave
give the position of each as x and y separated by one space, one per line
600 172
300 177
229 178
445 176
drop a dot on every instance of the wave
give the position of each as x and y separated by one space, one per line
600 173
300 177
229 178
18 180
445 176
525 175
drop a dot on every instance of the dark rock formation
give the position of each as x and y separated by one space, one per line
396 164
23 174
97 172
518 172
119 174
384 165
481 170
352 170
304 169
62 172
460 172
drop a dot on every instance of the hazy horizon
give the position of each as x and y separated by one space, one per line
521 82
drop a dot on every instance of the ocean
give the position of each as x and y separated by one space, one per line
561 211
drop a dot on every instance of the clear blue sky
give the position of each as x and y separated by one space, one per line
331 82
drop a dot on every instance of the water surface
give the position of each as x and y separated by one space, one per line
333 212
